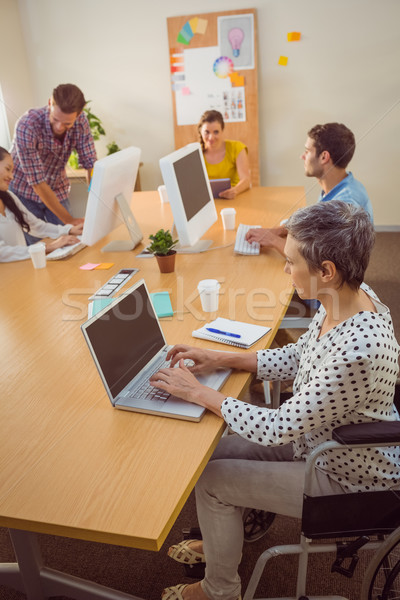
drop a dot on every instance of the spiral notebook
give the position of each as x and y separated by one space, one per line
235 333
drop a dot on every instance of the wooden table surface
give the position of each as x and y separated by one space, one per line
70 463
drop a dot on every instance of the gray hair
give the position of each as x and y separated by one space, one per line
336 231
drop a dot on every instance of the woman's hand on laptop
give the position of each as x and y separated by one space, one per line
182 383
204 360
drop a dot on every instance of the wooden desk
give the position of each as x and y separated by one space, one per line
71 465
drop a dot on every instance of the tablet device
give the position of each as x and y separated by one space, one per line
219 185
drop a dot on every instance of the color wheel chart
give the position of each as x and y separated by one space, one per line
223 67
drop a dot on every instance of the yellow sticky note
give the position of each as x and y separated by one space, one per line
293 36
193 24
201 25
283 61
104 266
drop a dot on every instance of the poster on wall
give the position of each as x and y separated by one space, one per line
207 81
236 39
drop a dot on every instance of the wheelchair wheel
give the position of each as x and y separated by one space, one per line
256 523
382 578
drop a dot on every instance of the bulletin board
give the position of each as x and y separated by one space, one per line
213 64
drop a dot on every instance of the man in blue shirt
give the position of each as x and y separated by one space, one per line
328 150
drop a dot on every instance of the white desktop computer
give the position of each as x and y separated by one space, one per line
111 189
190 196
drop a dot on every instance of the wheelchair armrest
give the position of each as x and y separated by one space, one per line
383 432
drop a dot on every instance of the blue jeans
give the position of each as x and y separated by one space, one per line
41 211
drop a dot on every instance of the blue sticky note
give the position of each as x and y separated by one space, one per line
162 304
97 305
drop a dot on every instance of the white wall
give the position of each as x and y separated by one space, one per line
15 75
344 69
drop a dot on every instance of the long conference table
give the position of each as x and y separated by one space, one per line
71 464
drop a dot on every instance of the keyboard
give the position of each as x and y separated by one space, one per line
147 391
65 251
241 245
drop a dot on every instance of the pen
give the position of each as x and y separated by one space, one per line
235 335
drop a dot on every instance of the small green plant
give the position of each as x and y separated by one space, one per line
161 243
97 130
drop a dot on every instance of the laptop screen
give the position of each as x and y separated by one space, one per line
125 338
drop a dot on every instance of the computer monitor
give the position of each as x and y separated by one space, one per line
190 196
111 189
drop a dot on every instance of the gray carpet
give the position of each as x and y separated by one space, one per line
146 573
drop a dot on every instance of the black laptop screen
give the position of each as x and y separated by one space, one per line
125 338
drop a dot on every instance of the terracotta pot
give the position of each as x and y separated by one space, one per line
166 262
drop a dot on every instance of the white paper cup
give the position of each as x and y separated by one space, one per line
228 218
162 190
209 294
38 255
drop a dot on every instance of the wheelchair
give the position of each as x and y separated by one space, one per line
373 518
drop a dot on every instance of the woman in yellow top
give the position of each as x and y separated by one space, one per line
223 158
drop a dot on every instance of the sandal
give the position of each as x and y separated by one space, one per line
183 553
174 592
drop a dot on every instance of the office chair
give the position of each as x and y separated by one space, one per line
365 515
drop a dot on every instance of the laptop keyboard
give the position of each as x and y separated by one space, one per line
241 245
145 391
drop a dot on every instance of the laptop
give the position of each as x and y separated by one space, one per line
127 345
219 185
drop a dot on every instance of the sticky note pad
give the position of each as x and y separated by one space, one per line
97 305
89 266
104 266
162 304
293 36
283 61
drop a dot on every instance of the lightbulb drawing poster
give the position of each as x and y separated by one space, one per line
207 85
236 39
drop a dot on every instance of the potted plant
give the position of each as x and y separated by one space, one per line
161 246
96 129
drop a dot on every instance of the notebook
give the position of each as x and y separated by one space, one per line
235 333
127 345
219 185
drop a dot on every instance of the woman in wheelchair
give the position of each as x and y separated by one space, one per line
345 368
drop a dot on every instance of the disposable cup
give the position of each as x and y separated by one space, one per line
209 294
38 255
162 190
228 218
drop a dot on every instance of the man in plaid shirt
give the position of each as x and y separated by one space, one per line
43 141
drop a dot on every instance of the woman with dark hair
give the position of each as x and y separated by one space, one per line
223 158
345 368
15 219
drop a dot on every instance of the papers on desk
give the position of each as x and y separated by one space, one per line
235 333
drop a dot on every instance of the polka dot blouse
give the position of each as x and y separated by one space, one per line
345 376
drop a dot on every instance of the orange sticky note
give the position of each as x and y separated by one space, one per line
283 61
104 266
236 80
293 36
